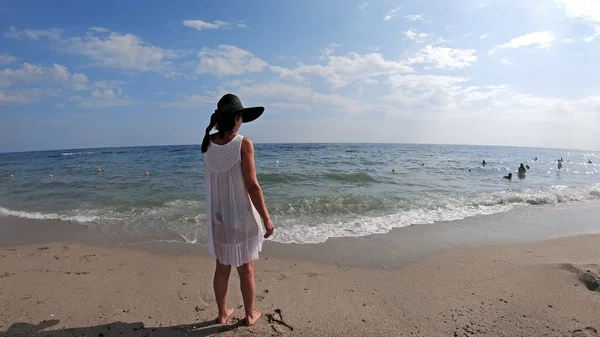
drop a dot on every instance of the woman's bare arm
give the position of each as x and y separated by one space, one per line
252 185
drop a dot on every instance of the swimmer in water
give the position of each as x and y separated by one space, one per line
535 159
527 167
509 176
522 170
483 163
589 161
559 165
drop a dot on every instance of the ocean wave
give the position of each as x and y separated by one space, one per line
77 153
81 218
312 219
293 232
309 227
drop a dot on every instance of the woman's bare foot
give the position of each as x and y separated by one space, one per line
223 319
250 320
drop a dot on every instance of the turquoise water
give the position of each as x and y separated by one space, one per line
313 191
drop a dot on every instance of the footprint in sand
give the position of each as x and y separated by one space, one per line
277 318
587 274
587 332
262 296
89 257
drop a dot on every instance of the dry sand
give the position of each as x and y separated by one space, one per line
525 289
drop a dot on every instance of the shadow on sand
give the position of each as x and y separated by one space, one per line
208 328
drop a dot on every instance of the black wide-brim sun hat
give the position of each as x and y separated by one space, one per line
230 103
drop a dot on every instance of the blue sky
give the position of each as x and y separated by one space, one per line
118 73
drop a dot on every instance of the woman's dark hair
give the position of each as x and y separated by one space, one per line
222 122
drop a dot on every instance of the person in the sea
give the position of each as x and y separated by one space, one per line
522 170
589 161
509 176
535 159
560 165
235 207
483 163
527 167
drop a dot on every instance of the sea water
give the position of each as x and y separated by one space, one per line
313 191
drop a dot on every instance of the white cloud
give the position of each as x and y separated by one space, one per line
329 50
205 25
415 36
59 105
414 17
582 9
392 13
484 36
99 29
541 39
228 60
506 62
26 95
30 83
287 73
445 58
363 4
6 59
280 95
29 74
303 98
566 40
52 34
341 71
102 99
123 51
113 50
594 35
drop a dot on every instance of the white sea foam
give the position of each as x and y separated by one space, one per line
185 218
79 218
76 153
300 230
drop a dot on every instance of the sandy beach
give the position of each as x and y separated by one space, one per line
543 288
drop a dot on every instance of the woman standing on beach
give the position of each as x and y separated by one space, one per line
234 203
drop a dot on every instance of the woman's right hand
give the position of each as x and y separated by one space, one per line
268 228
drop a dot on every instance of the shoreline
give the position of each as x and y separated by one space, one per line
392 249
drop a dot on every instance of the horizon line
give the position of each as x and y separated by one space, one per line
300 143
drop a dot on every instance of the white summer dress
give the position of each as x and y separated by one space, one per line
235 232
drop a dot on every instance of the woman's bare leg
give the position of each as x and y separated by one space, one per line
246 273
220 283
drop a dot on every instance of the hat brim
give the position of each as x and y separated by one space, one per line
250 114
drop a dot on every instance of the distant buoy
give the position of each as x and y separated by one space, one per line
393 170
12 176
99 170
147 173
51 176
277 161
